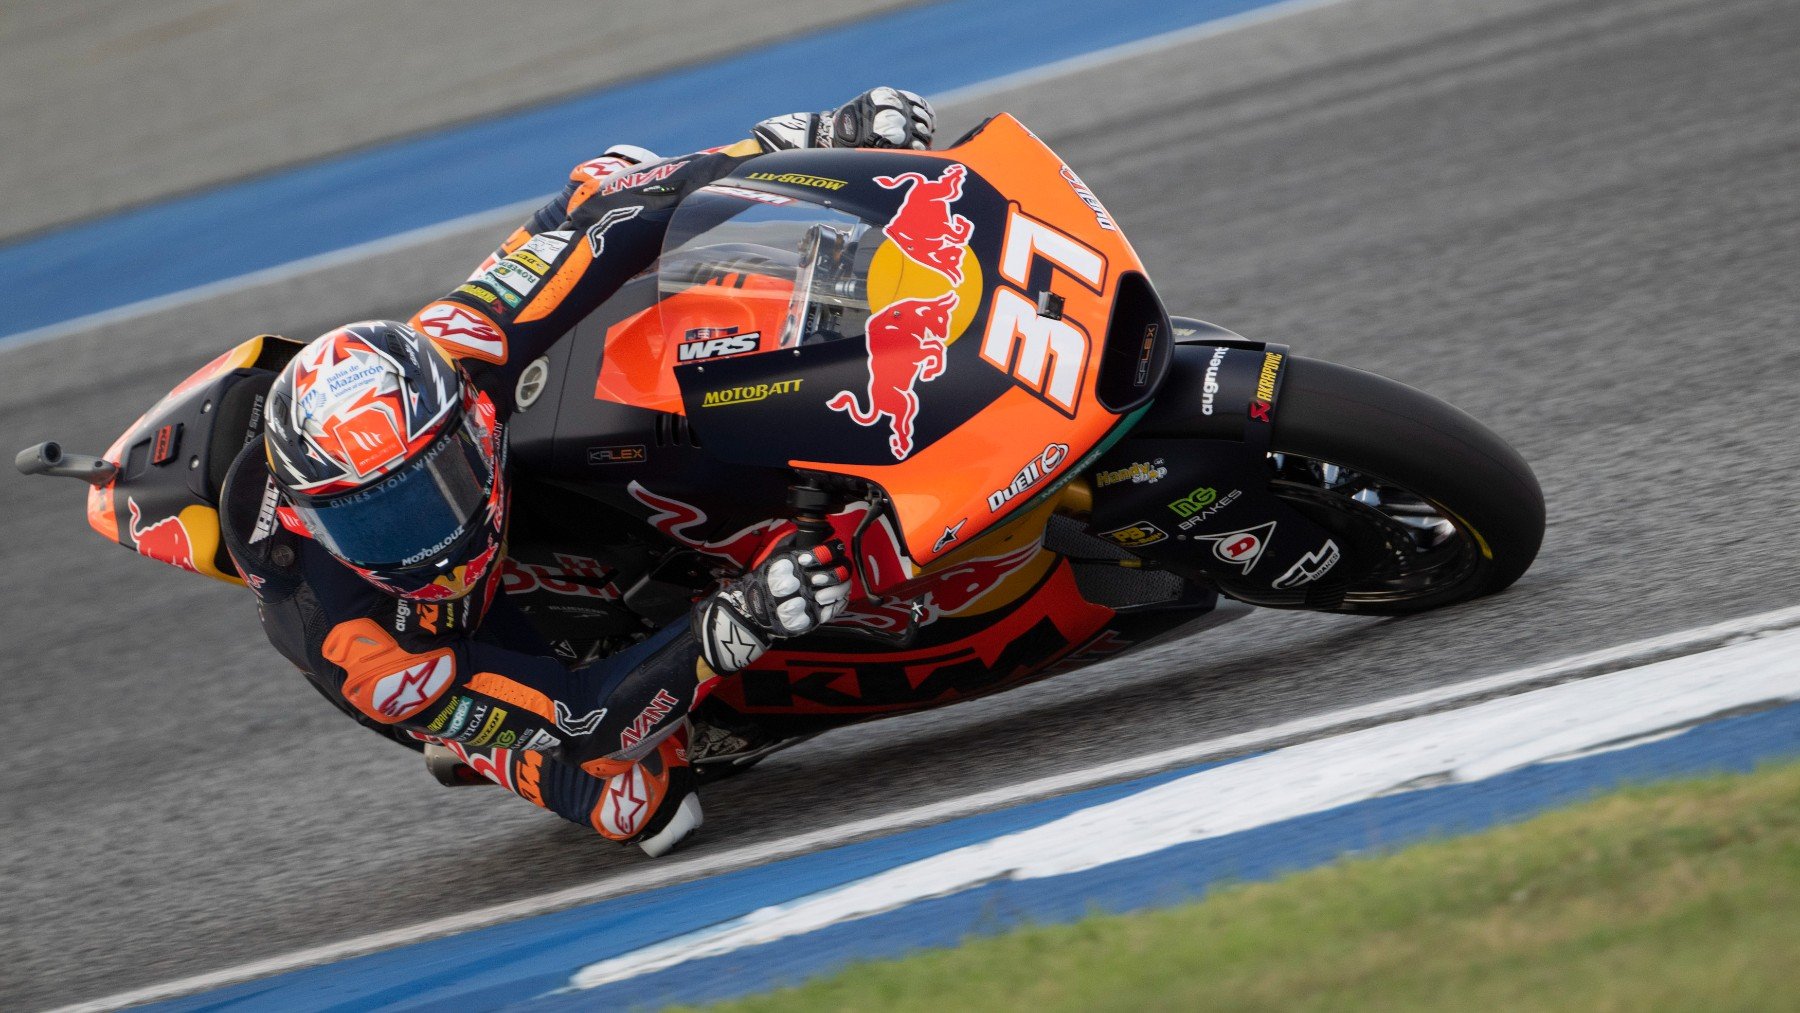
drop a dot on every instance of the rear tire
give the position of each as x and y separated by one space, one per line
1403 438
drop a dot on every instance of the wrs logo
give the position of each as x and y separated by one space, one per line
711 342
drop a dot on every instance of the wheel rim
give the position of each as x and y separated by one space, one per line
1422 550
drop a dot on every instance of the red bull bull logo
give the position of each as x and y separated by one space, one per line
925 310
924 227
906 347
674 519
906 598
165 540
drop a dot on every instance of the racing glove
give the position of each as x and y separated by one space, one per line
879 118
791 593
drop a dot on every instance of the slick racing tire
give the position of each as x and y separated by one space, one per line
1437 507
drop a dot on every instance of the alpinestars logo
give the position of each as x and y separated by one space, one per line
463 331
409 690
626 803
1310 567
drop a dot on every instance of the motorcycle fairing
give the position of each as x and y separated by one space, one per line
994 652
998 421
163 503
1190 486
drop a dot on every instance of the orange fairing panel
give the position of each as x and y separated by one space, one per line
189 539
1033 434
730 315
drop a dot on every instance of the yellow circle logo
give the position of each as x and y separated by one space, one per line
894 276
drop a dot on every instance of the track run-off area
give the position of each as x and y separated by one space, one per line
1576 221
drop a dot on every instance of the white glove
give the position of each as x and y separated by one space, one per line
790 594
879 118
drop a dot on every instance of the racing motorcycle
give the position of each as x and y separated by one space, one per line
954 362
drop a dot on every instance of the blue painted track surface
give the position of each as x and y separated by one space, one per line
397 187
522 964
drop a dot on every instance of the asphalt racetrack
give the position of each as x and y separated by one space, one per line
1580 222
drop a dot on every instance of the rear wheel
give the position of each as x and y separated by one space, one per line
1432 507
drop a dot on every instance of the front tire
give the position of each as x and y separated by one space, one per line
1439 508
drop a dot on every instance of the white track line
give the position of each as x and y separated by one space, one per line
1461 745
664 873
512 213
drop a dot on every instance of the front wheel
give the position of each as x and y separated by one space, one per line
1437 507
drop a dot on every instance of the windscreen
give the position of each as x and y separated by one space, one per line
725 235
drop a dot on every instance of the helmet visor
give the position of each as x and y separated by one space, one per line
412 516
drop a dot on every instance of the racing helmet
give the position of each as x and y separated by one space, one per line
390 458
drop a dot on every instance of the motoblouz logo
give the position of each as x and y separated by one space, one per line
907 338
1035 470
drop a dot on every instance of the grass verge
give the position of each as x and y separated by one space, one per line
1678 896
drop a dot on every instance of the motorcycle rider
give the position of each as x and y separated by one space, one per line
371 524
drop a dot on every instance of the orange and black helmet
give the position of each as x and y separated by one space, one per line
391 458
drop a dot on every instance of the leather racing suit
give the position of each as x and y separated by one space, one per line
604 744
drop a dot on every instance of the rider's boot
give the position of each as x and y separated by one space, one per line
652 802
